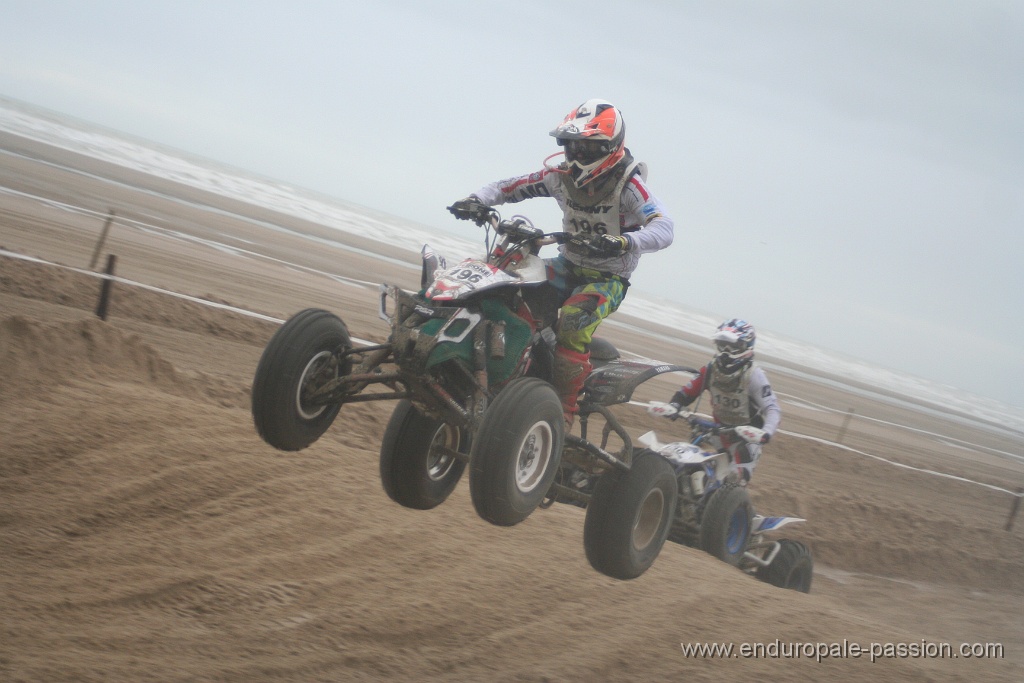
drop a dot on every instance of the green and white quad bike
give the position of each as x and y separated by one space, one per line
469 360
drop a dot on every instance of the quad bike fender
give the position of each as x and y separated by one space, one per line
762 524
615 382
465 279
681 453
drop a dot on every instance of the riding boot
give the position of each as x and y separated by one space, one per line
570 372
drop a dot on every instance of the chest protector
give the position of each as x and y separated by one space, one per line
730 399
597 213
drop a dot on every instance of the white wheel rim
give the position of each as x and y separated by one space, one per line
439 464
533 456
314 366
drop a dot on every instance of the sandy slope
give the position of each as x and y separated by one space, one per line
148 534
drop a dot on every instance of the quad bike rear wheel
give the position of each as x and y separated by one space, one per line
300 358
726 523
793 567
414 471
629 516
516 451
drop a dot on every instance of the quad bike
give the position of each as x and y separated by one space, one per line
469 360
715 512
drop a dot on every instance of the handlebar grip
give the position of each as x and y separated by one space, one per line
512 227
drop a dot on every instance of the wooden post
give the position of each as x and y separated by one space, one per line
846 423
102 240
1014 508
104 304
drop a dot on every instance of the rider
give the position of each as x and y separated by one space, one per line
740 393
603 194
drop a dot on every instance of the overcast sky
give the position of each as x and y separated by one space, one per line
850 174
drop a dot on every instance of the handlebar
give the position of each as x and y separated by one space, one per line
703 424
706 424
520 229
517 229
522 233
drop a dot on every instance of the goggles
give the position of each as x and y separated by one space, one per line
732 348
584 151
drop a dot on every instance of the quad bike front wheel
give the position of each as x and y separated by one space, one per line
792 567
416 468
516 451
726 523
629 516
301 357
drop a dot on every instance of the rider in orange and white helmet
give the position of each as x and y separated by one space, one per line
594 137
603 194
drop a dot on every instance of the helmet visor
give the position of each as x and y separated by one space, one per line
584 151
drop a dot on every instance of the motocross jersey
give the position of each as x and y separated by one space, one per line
743 398
623 205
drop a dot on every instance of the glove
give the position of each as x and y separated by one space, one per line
610 245
669 410
752 434
469 209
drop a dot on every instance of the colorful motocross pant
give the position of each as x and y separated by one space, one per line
590 297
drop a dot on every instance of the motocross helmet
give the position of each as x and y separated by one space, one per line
734 343
593 136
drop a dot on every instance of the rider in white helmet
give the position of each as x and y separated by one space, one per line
603 193
740 393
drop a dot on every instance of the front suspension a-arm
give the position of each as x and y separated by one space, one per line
596 451
347 387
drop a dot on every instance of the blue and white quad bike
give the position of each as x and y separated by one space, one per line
715 512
